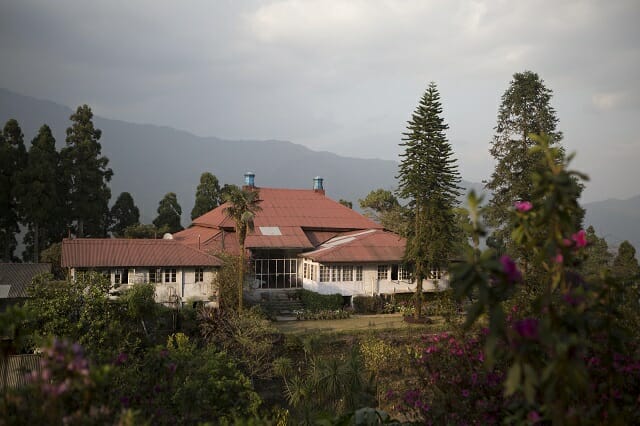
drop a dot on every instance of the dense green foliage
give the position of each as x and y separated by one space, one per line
87 175
208 195
13 158
383 206
169 212
428 179
625 265
320 302
41 192
123 214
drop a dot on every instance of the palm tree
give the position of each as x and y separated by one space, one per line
242 208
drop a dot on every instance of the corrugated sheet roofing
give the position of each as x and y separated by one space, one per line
108 252
16 277
303 208
371 245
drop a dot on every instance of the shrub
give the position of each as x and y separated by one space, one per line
368 304
321 302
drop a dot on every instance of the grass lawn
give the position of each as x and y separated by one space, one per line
357 323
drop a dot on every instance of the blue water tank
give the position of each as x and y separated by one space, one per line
250 179
317 183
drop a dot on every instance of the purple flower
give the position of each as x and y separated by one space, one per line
122 358
510 269
527 328
534 417
466 393
523 206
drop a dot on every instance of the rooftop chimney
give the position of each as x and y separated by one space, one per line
249 180
317 185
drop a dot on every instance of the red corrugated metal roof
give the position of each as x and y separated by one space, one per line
292 237
107 252
303 208
372 245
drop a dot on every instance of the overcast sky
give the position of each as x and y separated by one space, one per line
340 76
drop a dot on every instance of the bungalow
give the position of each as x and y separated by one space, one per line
303 239
180 273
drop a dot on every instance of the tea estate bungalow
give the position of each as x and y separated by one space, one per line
301 239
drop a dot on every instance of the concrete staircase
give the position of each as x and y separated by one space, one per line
281 303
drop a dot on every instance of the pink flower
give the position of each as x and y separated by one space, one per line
559 258
510 269
580 238
523 206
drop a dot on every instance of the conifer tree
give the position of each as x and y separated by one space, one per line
39 189
123 214
87 175
525 109
208 195
13 158
428 179
597 257
625 265
169 212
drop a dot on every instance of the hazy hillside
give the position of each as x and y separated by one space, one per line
149 161
616 220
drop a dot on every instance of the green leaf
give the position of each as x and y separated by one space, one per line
513 379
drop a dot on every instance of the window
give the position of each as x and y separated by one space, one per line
335 273
117 276
305 270
347 273
155 275
358 273
383 272
324 274
199 275
404 273
170 275
312 272
276 273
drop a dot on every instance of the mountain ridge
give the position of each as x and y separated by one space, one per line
150 160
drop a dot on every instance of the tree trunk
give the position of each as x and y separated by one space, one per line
418 224
241 278
80 228
36 243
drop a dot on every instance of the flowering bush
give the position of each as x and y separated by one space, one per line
570 357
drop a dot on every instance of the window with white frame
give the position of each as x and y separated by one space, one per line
335 273
383 272
435 274
305 270
358 270
155 275
404 273
117 276
312 272
170 275
347 273
325 272
199 275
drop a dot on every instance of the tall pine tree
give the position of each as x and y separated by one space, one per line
123 214
208 195
525 109
625 265
169 212
428 179
13 158
39 189
87 175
